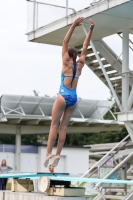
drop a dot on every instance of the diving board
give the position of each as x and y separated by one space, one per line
54 183
63 177
31 175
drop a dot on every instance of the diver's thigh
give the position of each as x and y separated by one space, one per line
58 109
67 115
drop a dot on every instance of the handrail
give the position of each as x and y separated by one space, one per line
107 159
34 11
95 2
102 159
129 72
128 196
116 168
129 41
74 11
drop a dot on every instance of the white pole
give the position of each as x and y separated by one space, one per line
66 8
129 129
125 68
18 149
37 16
130 99
34 15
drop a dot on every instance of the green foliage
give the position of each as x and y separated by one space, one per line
36 93
29 140
25 140
7 139
95 138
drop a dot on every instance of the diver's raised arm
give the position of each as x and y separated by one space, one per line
81 60
77 22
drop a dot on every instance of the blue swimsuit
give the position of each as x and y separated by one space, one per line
69 95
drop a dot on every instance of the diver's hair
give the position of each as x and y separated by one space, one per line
72 52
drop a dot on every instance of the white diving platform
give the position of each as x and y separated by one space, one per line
110 17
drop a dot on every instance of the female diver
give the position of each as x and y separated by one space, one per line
66 100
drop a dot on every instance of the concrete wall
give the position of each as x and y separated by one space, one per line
73 160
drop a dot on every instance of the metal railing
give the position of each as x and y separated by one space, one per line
130 41
102 161
98 1
35 11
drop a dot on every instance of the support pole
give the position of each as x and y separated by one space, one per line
130 99
129 129
34 17
66 8
18 149
103 69
125 68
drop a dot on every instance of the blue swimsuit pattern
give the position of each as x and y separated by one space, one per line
69 95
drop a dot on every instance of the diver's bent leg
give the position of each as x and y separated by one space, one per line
57 111
62 132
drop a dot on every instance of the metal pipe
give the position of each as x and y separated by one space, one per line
95 2
116 168
129 41
34 15
112 115
66 8
112 155
130 100
74 11
130 124
128 72
103 158
103 70
18 148
125 68
37 16
129 129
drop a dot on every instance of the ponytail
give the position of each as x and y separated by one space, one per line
74 63
73 54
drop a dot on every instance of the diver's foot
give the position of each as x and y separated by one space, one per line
46 162
51 168
55 161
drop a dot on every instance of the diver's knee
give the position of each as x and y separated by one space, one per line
63 127
54 126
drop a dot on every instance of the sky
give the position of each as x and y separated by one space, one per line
27 66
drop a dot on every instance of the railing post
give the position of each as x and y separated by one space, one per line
34 15
66 8
125 68
18 149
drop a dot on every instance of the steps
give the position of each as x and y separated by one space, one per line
112 64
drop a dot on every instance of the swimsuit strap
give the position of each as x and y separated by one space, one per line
63 76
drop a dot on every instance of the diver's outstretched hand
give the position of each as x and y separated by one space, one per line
78 21
92 24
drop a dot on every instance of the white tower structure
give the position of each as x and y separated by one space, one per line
111 17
